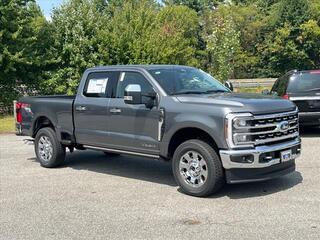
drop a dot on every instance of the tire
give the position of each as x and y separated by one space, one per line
49 151
197 168
110 154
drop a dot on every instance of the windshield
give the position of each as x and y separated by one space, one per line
186 80
305 82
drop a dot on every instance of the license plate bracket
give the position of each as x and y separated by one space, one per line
286 155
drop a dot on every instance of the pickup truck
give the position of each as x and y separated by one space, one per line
175 113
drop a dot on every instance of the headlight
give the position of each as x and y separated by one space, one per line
239 122
236 127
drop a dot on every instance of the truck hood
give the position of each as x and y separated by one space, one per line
254 103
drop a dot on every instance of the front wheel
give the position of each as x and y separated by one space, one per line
49 151
197 168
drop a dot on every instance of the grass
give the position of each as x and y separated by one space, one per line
6 124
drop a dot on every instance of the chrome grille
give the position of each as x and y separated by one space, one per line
264 129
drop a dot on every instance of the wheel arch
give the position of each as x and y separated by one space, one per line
41 122
186 133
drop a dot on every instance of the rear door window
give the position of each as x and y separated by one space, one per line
305 82
99 84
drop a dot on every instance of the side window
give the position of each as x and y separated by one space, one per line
99 84
275 86
280 86
127 78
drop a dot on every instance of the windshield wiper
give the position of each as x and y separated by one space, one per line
215 91
189 92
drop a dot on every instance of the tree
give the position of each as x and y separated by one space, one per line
200 6
23 47
222 41
78 27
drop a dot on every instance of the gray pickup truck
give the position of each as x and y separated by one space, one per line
175 113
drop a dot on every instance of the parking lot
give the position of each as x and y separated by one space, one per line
95 197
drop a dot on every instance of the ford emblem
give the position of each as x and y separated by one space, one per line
283 126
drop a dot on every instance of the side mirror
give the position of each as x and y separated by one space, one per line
132 94
229 85
265 92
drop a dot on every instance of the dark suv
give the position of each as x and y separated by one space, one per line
303 88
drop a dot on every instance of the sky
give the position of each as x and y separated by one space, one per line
48 5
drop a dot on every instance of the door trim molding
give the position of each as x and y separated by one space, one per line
121 151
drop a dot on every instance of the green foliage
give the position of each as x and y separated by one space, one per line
23 42
199 6
134 32
236 38
222 41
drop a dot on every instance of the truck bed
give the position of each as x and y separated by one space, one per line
58 109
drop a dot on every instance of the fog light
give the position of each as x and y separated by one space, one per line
242 138
242 159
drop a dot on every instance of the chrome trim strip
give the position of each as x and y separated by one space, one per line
160 123
276 130
304 98
121 151
256 152
265 125
257 117
309 113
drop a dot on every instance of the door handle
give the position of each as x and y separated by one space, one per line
81 108
115 110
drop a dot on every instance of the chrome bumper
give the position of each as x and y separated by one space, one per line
256 152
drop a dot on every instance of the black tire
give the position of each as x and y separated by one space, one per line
111 154
58 150
215 174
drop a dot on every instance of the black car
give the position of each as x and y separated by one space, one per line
303 88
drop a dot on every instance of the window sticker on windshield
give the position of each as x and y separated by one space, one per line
97 85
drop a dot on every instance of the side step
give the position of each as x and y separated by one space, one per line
122 151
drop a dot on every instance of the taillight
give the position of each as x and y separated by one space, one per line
286 96
315 72
19 107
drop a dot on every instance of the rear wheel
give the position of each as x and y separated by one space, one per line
197 168
49 151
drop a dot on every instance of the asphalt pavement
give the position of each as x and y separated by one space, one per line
95 197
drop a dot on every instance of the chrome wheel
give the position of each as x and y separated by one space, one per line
193 169
45 148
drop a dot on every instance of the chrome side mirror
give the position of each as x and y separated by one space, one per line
132 94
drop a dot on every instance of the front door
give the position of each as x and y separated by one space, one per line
133 127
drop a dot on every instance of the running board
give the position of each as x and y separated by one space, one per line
122 151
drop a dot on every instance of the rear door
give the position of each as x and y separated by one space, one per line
304 91
90 108
133 127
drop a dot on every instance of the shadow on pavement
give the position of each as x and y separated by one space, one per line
248 190
125 166
160 172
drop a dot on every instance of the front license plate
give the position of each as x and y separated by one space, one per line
286 155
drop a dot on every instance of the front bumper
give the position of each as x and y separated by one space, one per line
265 162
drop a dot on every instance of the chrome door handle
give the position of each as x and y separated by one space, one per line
81 108
115 110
